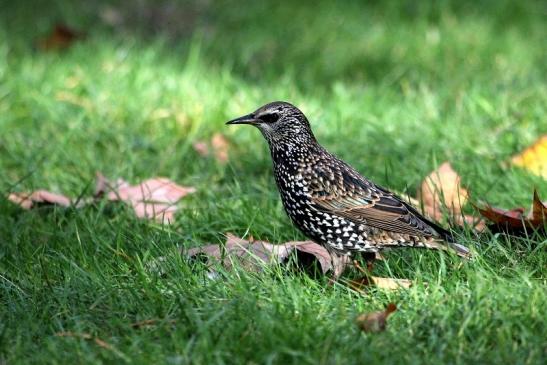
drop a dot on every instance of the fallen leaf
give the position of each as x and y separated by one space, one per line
380 283
369 281
317 252
375 321
218 146
30 200
153 198
60 37
440 187
514 220
512 217
103 185
391 283
441 192
538 213
253 255
534 158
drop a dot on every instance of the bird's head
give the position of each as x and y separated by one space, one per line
280 123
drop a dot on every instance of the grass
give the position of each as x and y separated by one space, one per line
394 88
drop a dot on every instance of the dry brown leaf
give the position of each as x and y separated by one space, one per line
514 220
60 37
103 185
443 186
538 212
252 255
218 146
153 198
319 253
375 321
30 200
441 192
534 158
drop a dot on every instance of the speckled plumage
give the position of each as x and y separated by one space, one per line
329 201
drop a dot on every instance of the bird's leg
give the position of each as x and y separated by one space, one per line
367 278
358 266
369 257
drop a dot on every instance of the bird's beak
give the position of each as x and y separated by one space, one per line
246 119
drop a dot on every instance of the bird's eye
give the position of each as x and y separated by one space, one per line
269 118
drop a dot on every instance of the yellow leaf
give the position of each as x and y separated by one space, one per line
534 158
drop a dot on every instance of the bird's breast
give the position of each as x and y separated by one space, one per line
294 192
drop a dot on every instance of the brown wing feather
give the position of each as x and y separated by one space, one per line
361 201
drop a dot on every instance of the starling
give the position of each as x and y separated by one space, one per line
329 201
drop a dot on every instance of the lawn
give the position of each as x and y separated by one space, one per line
394 88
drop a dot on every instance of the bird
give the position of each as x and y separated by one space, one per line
329 201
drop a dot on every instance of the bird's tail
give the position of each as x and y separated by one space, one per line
459 249
448 239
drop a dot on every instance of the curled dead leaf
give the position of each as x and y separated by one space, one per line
515 221
442 187
441 192
375 321
153 198
30 200
253 255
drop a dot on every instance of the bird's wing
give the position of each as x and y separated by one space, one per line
340 190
